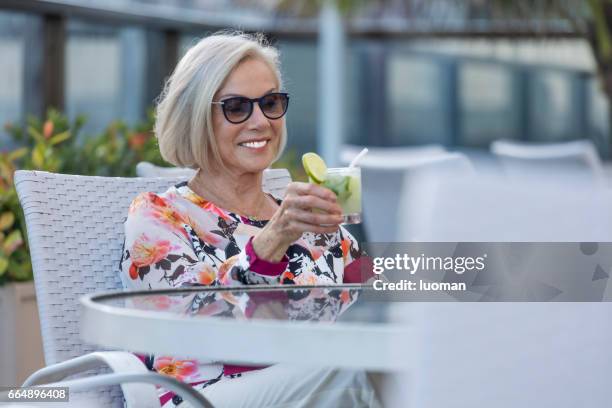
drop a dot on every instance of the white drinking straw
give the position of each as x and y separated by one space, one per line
357 158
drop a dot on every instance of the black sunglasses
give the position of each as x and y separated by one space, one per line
239 108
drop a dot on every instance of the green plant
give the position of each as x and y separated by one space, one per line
53 144
117 150
44 146
14 255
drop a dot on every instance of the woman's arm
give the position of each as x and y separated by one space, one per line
295 217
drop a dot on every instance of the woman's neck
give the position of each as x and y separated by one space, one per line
239 193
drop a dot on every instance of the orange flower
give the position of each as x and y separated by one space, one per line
346 244
196 199
161 302
146 251
215 210
206 236
48 129
207 275
171 216
156 200
133 271
287 275
158 302
206 205
345 297
161 211
139 201
316 253
305 279
137 140
146 200
179 369
225 267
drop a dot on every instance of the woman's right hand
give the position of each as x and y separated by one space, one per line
296 216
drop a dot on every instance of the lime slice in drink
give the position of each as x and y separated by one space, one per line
339 185
315 167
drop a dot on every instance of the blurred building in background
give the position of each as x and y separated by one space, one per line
415 72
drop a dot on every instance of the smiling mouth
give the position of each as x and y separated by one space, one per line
255 144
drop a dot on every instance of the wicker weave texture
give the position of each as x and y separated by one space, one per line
75 233
275 180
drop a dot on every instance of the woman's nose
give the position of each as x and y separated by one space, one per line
257 118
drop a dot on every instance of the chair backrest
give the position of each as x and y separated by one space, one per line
75 233
275 180
147 169
387 189
390 154
575 162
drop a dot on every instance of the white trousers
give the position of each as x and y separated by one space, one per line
283 386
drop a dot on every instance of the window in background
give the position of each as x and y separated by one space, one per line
186 42
12 26
135 98
299 61
366 97
93 74
355 94
553 114
299 65
488 104
417 88
571 53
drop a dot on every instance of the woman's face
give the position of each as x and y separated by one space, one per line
251 79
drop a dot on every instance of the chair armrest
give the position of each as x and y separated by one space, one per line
189 394
136 395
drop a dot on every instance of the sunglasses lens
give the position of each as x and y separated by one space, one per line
274 105
237 109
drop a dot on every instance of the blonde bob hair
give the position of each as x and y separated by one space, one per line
183 124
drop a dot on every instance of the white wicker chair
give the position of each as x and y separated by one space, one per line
575 162
276 180
147 169
388 188
75 232
393 155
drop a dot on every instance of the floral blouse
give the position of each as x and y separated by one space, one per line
178 239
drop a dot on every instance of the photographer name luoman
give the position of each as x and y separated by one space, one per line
422 285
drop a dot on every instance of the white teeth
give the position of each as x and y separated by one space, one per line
255 145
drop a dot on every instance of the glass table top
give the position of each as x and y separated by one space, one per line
335 326
321 303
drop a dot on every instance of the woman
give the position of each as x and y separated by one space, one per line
222 113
